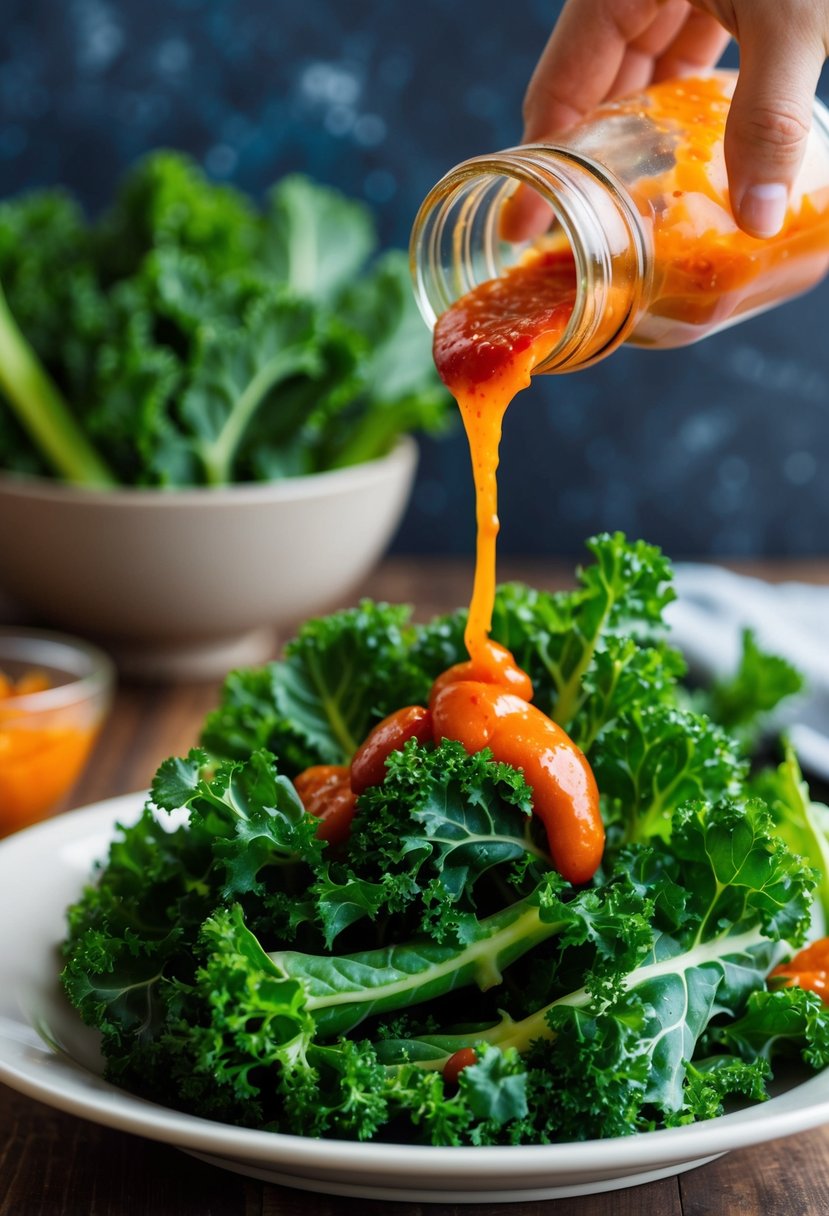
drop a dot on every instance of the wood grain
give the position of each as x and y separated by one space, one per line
657 1199
785 1178
52 1164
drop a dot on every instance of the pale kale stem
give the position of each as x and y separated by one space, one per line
490 838
303 252
655 822
603 723
483 960
504 937
331 706
719 888
567 701
219 453
42 410
522 1034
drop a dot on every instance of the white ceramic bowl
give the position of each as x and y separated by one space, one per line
189 583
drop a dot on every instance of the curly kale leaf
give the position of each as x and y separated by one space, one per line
788 1021
622 594
166 202
710 1081
395 388
656 757
441 819
340 675
343 673
131 937
191 338
421 841
238 371
252 813
315 240
743 702
591 653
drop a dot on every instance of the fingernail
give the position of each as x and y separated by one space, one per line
763 208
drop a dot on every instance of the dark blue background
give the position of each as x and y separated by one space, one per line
720 449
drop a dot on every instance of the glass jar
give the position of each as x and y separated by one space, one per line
639 193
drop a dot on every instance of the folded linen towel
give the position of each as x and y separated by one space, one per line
715 605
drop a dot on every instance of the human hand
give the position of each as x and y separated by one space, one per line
605 48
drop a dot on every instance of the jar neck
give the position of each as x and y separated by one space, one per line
456 243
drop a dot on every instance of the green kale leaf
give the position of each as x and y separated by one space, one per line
242 969
742 703
192 338
340 675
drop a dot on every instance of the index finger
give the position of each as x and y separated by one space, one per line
582 59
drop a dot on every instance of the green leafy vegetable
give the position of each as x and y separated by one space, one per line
239 967
340 676
590 652
657 757
802 823
191 338
760 683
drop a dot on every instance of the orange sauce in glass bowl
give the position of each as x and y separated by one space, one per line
42 749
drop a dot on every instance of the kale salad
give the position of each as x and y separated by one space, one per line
431 977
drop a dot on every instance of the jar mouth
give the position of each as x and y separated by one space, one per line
455 245
568 223
458 243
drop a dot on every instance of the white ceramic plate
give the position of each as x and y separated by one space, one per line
43 869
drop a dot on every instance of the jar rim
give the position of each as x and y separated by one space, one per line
556 173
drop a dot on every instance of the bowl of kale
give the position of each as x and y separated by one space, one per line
206 407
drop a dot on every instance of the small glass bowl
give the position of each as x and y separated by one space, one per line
46 736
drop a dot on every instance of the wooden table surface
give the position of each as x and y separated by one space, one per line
52 1164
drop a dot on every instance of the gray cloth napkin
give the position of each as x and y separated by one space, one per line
789 619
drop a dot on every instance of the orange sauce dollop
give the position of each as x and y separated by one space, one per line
41 754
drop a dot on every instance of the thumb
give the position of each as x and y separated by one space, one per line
769 122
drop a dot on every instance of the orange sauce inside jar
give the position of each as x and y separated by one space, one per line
640 189
41 752
707 272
